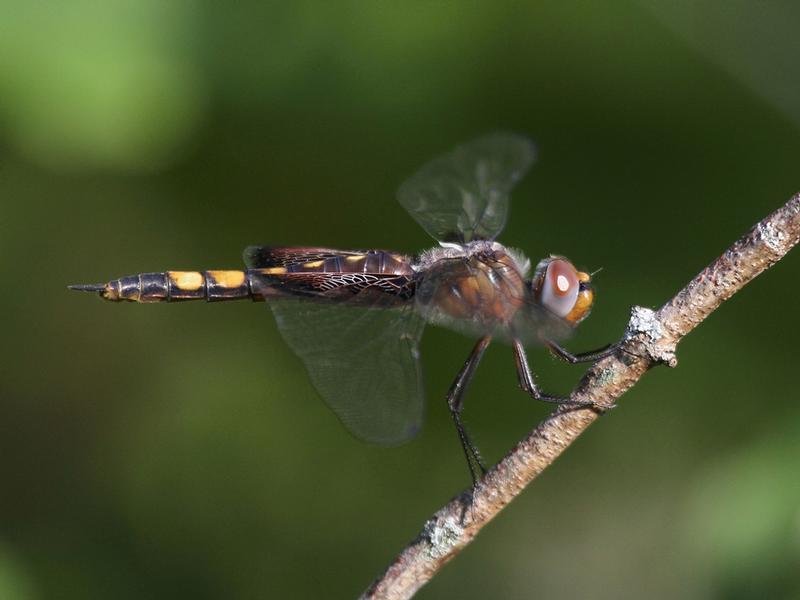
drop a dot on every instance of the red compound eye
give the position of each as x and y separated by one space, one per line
560 287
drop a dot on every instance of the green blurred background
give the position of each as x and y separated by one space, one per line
179 451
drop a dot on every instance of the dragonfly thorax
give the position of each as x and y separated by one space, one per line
477 287
447 250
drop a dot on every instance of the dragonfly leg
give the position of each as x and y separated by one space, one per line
527 380
455 402
591 356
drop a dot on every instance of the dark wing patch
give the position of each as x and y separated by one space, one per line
260 257
361 288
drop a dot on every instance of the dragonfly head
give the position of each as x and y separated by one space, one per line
562 289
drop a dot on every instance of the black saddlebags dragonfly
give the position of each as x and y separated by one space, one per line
355 318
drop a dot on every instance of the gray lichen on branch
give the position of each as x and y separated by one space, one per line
645 327
650 338
442 535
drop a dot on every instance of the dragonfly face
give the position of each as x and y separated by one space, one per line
355 318
562 289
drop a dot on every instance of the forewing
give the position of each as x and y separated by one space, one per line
443 298
257 257
464 195
534 325
364 362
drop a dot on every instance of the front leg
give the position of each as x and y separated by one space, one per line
591 356
527 380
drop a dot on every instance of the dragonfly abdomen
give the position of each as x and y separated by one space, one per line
175 286
334 278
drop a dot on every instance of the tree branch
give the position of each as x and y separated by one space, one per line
650 338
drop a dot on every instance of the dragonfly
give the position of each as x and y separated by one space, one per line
355 317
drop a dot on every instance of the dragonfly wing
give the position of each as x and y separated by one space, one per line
534 325
450 294
363 361
464 195
256 257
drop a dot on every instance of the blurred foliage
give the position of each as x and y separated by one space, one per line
751 542
755 42
179 451
99 84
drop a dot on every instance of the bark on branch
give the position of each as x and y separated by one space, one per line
651 338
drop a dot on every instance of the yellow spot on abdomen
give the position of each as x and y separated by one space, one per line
228 279
314 264
273 271
190 281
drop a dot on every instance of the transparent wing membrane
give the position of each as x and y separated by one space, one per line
533 325
464 195
364 362
530 322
